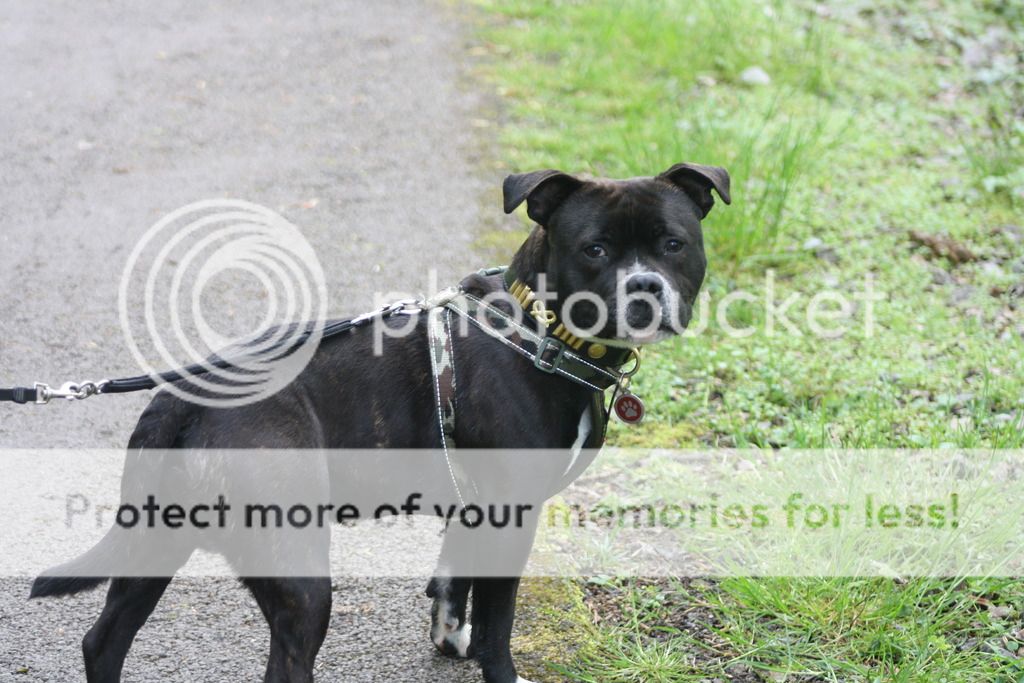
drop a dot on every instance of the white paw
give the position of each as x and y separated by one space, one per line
451 640
460 640
448 636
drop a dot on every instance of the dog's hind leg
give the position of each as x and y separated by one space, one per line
130 601
298 611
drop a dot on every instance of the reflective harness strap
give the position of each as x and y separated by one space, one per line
442 365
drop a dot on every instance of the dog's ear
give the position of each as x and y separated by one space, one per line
543 191
697 180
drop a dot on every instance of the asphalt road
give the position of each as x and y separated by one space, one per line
349 118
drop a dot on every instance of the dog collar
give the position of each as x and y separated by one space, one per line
601 357
598 352
547 354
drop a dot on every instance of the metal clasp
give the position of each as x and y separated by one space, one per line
635 355
72 391
547 343
396 307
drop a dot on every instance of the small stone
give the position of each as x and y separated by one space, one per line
962 294
999 611
739 670
827 254
969 644
1014 232
991 268
981 51
941 276
755 75
961 424
706 81
812 243
1018 266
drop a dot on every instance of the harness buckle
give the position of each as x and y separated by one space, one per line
549 348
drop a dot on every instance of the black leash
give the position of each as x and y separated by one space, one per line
41 393
591 364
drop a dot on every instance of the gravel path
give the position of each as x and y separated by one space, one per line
349 118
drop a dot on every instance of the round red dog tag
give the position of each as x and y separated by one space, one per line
629 409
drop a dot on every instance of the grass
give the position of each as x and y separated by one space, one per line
880 118
997 155
629 116
829 629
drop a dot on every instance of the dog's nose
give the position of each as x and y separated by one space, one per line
644 282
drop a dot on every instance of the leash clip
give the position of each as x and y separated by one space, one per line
392 308
72 391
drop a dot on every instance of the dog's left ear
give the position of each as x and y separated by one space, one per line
544 191
697 181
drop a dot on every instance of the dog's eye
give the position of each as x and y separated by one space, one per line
594 251
673 246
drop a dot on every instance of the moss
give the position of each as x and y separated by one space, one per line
554 624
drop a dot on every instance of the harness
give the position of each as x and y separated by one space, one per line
552 349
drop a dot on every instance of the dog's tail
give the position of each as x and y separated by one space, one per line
77 575
159 427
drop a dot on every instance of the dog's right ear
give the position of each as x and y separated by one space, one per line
544 191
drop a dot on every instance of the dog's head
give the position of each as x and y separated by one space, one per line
622 259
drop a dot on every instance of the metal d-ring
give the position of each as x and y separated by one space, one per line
635 353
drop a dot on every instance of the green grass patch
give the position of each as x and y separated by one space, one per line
878 119
809 630
996 154
641 85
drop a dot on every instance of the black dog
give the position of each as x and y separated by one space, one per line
605 237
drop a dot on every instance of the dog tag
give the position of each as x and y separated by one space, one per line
629 408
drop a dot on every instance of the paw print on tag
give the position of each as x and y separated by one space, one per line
629 409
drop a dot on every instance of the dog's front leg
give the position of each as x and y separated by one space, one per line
449 588
494 601
449 630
